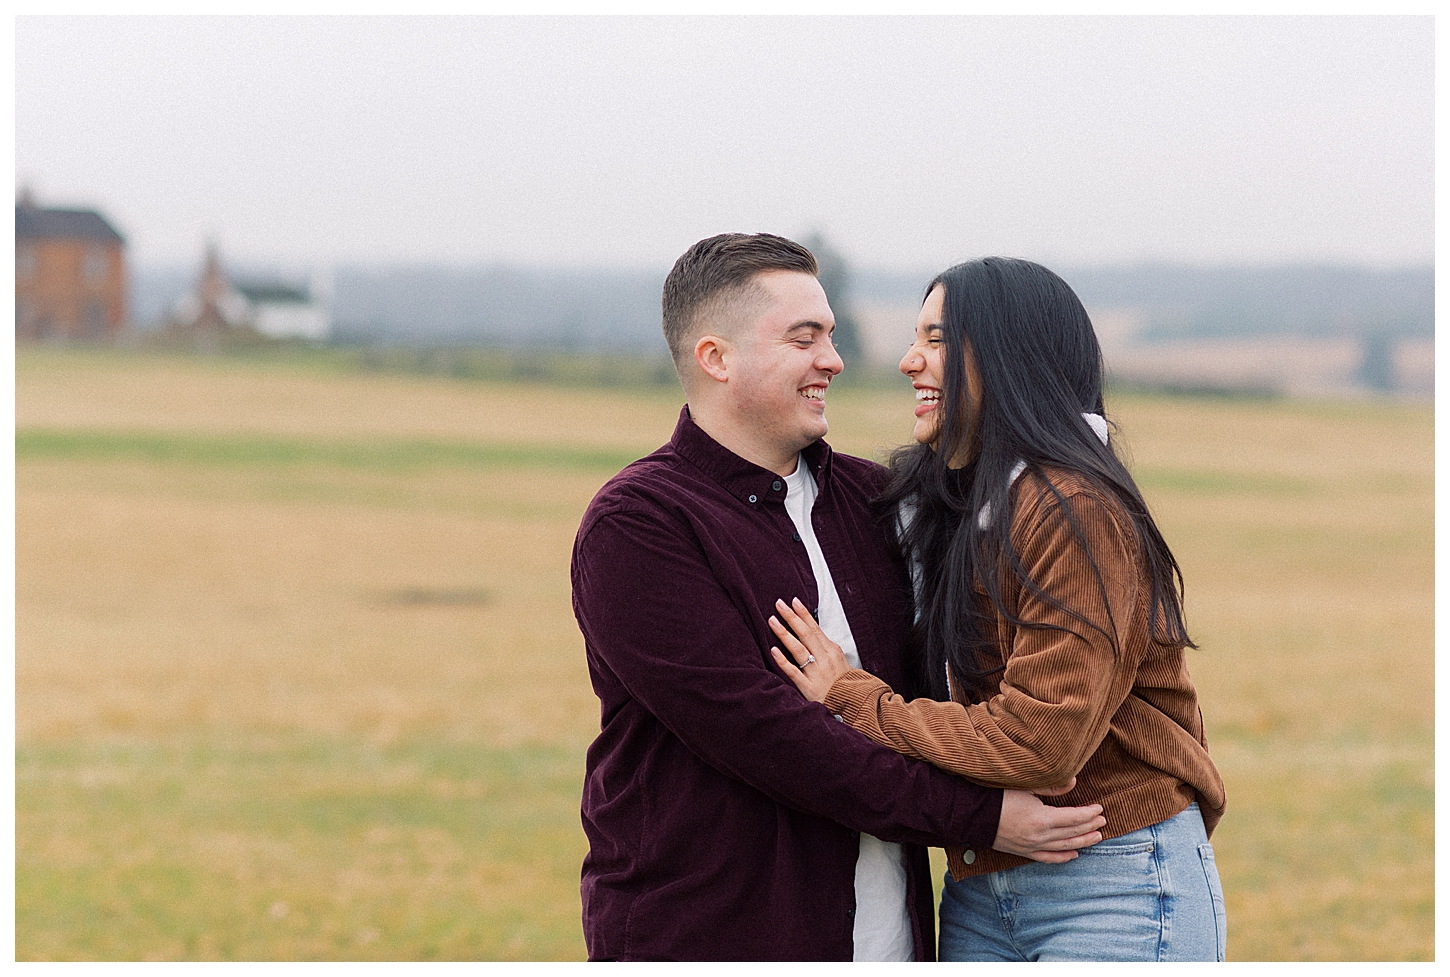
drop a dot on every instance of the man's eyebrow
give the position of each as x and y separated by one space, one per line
810 324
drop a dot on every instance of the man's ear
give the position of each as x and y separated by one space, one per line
711 353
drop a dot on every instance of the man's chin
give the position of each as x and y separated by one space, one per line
809 436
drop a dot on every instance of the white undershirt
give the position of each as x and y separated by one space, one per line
883 926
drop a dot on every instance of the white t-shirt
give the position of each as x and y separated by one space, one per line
883 926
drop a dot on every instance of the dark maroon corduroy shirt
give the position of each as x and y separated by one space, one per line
722 807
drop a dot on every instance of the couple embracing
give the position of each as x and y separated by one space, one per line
811 667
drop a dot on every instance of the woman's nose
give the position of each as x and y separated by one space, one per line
911 362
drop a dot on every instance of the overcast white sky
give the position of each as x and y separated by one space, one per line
910 142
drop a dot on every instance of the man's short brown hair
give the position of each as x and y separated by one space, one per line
718 265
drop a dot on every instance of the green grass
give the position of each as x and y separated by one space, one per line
490 365
242 451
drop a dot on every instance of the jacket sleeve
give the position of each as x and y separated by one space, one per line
1059 690
698 667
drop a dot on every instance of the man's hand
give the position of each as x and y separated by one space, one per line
1043 833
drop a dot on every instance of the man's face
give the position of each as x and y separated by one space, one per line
784 360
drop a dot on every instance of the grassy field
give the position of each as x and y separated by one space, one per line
297 676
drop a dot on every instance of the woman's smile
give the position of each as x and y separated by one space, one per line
927 399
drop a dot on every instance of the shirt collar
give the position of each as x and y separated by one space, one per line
745 480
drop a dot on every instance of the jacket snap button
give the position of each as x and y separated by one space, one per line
752 498
969 856
796 537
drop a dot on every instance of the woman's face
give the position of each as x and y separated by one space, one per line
923 364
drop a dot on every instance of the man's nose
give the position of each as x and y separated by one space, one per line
831 362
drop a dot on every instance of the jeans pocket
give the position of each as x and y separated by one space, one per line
1215 889
1109 848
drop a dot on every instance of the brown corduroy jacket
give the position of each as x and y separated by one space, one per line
1102 701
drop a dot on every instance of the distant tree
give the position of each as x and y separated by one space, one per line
1376 364
835 278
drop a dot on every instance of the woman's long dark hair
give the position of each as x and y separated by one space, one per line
1041 369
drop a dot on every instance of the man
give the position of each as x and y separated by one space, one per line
727 816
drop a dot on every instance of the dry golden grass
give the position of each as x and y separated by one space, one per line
279 705
259 616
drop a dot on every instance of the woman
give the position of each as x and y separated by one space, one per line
1049 630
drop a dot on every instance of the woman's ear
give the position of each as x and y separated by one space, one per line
712 353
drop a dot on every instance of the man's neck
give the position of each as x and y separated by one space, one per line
736 437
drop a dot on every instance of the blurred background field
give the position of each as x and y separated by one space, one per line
297 675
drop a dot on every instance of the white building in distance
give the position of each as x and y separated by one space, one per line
283 311
276 309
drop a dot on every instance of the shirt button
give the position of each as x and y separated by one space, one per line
775 485
752 498
969 856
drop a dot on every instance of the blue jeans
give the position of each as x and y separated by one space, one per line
1151 894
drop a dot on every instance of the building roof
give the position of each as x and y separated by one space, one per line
271 292
49 222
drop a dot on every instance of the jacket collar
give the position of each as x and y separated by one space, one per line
745 480
1099 425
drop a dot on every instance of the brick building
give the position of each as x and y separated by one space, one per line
70 274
